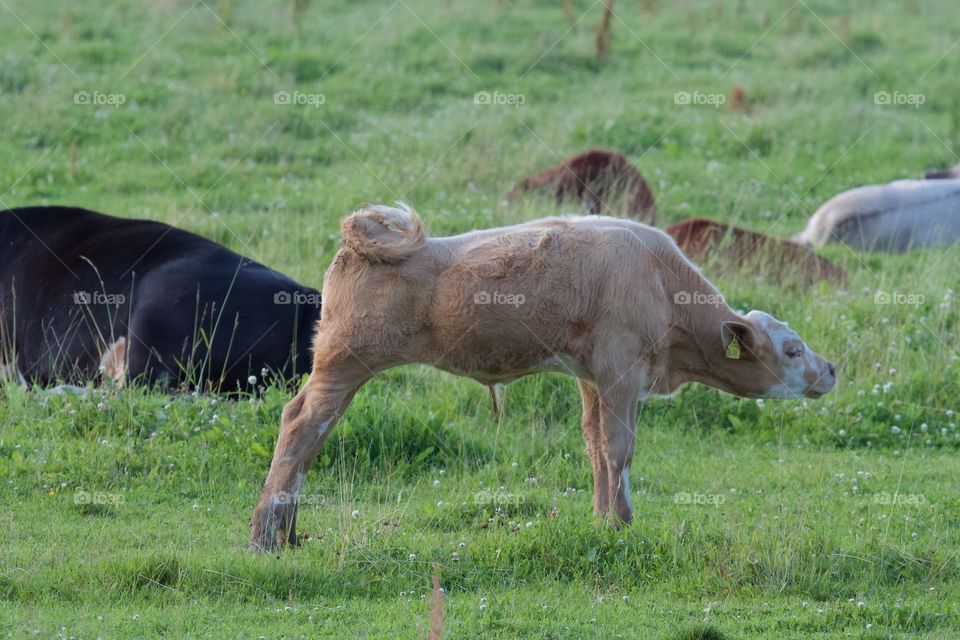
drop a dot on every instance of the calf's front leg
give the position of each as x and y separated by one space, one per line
307 421
618 420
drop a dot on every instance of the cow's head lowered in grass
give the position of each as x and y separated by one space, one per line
611 302
771 360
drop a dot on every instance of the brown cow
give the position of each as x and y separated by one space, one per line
612 302
602 182
780 261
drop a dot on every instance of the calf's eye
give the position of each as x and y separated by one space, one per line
794 352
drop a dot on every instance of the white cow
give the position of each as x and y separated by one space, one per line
892 218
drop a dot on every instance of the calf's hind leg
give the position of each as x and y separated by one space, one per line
594 441
307 421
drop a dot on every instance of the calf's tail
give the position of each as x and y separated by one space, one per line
384 234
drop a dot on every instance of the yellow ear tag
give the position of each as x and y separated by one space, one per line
733 349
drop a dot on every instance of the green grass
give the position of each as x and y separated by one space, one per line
126 515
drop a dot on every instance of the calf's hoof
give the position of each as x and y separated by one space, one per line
620 520
274 527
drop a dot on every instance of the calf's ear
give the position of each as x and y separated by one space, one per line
735 337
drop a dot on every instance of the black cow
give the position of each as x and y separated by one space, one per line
944 174
76 283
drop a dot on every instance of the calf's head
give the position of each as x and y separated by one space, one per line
764 358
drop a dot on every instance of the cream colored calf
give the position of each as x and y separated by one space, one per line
612 302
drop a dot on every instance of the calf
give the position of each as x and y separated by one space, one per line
602 182
780 261
81 291
891 218
611 302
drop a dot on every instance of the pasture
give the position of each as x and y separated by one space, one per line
261 124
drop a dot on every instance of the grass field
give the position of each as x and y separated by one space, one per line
126 515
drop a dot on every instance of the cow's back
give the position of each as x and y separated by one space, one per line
559 279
